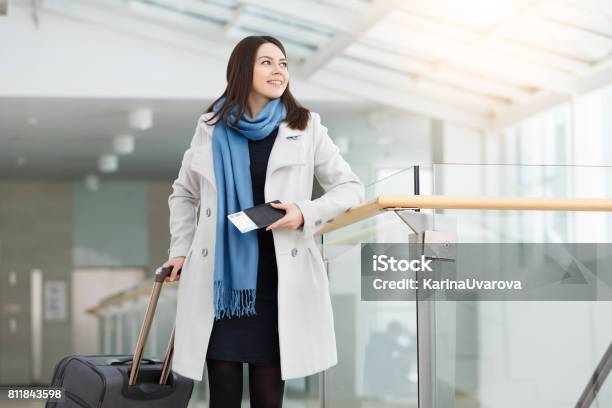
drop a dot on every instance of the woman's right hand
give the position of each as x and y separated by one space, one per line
177 264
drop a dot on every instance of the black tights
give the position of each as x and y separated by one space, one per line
225 384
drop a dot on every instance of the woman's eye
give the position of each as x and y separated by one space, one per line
284 64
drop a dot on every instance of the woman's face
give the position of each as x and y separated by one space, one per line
270 74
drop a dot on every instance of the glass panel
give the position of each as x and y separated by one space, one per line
604 394
510 353
376 341
527 181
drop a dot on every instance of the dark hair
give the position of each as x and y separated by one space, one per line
240 80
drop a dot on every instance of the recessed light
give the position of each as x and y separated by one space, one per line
92 182
123 144
141 119
107 163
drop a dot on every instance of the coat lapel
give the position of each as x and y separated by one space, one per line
288 149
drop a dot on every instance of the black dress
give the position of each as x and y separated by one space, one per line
254 339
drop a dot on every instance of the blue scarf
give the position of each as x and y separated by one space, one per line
237 254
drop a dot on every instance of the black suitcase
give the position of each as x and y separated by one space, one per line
113 381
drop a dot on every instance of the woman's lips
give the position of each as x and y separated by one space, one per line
275 83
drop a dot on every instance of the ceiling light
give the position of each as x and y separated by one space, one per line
123 144
141 119
21 161
32 120
92 182
108 163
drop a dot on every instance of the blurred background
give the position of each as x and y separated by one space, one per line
99 99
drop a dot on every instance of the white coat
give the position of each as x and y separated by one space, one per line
305 321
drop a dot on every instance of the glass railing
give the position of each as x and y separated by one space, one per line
598 391
367 334
520 353
470 353
376 341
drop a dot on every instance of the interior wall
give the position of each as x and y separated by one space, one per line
111 224
36 234
45 226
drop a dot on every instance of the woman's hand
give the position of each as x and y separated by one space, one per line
176 263
293 219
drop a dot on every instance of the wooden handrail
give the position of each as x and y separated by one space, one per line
382 203
129 294
379 204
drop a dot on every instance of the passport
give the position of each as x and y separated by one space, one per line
256 217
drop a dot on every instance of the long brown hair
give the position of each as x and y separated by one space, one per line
240 82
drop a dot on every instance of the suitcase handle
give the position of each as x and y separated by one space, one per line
161 274
121 361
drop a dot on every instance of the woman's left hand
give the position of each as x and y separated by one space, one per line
293 218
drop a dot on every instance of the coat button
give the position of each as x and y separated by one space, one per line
294 252
208 212
318 222
204 251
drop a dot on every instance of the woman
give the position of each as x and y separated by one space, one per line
263 298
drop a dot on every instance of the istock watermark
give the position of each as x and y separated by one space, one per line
472 271
382 263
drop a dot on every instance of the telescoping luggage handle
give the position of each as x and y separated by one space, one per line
160 276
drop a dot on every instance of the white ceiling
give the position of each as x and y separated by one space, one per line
469 61
479 63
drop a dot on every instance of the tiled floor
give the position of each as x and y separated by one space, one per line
315 404
286 404
245 404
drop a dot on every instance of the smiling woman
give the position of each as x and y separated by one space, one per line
251 297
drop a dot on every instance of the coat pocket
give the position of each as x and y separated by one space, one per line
318 264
